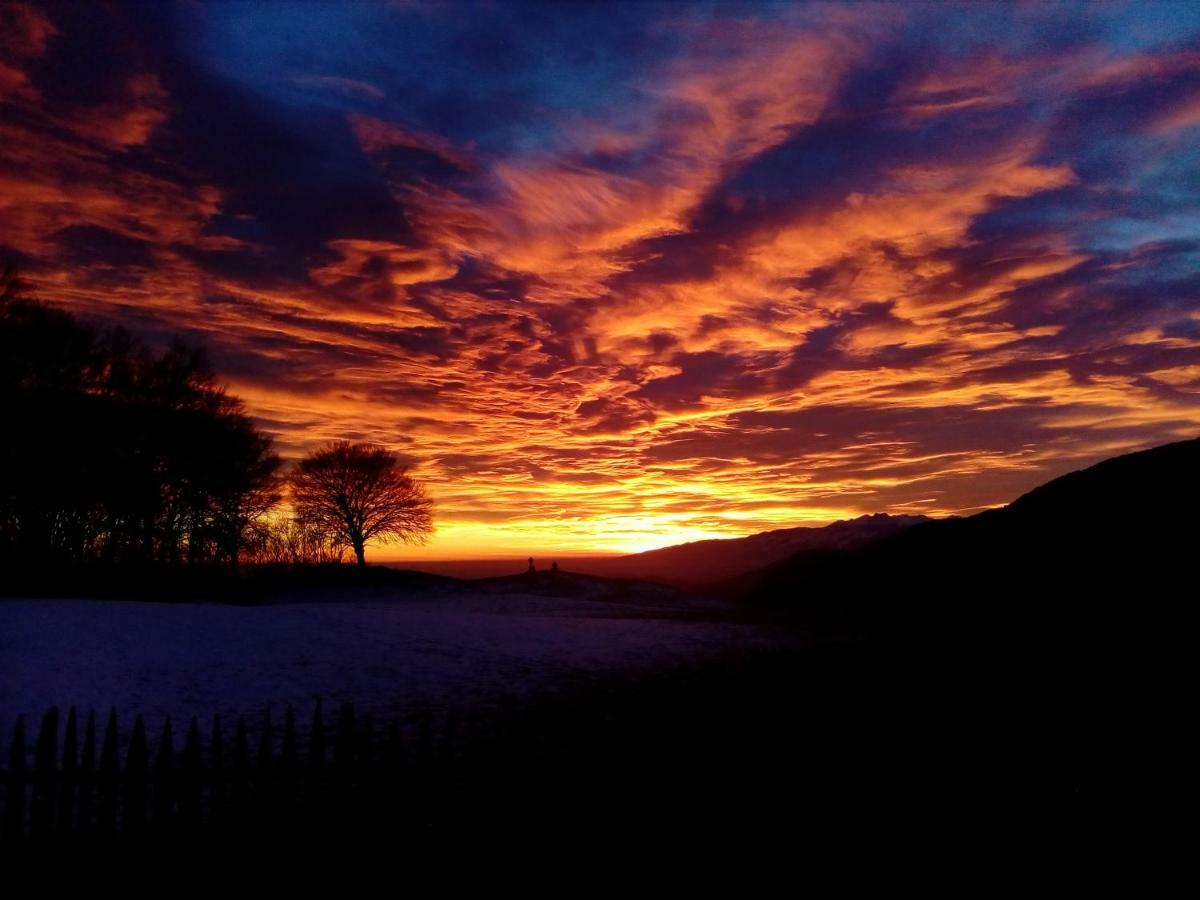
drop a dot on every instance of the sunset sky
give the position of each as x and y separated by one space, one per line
617 276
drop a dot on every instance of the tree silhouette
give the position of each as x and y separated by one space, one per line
247 490
361 492
116 454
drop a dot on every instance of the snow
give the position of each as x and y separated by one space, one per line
390 654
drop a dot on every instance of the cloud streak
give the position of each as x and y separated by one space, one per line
617 280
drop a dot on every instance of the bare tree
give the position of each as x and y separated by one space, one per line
360 492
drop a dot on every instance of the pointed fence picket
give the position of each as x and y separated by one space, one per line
206 785
713 741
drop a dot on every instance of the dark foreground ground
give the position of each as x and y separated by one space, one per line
848 746
1013 687
1014 735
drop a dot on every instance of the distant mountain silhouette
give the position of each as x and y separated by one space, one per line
1116 539
1049 642
703 562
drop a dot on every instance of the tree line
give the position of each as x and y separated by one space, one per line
119 455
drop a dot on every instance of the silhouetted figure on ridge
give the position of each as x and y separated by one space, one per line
554 567
531 568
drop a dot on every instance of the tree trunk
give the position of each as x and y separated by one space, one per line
360 552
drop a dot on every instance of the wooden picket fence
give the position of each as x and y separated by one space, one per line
697 749
83 786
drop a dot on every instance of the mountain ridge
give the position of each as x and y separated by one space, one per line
1088 543
697 563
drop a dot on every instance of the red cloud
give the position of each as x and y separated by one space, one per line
672 318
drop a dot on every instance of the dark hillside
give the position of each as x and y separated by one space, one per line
704 562
1088 546
1047 637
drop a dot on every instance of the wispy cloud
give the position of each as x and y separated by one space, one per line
617 280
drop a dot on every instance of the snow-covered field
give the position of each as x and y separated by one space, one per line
391 654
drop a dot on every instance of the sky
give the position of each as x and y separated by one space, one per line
615 276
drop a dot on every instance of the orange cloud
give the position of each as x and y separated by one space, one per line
128 120
758 291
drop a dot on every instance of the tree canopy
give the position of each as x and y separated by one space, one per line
361 493
117 453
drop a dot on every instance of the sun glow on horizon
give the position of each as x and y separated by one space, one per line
615 535
766 273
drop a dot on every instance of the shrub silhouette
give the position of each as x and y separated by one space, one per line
288 541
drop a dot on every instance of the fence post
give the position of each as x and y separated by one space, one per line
106 799
68 781
449 742
14 809
45 776
314 790
241 767
343 764
189 788
368 806
448 795
366 743
316 749
287 765
393 746
343 748
287 756
87 774
216 796
424 773
266 746
393 769
424 755
137 775
264 801
164 781
366 754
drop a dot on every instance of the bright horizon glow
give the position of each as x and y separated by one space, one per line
608 539
618 277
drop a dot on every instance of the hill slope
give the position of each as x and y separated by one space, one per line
1106 540
1051 640
705 562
